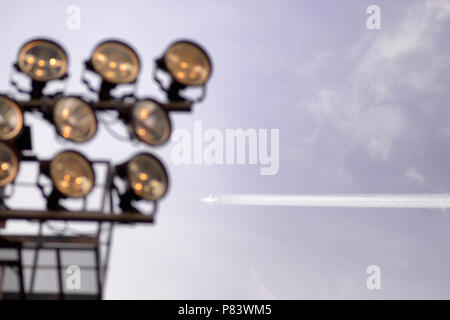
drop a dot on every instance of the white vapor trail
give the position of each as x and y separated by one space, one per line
411 201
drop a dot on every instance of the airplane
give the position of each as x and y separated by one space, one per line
210 199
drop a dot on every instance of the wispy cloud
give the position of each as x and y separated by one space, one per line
370 106
414 176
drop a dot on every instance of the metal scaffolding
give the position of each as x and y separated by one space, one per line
40 265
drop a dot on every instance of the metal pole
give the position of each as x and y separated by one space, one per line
2 272
35 261
59 270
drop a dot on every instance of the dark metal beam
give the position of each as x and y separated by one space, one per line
75 216
119 105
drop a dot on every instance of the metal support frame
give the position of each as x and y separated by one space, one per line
58 244
104 105
105 218
59 215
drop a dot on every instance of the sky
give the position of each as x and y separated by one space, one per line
358 111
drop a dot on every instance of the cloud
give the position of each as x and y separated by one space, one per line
372 105
414 176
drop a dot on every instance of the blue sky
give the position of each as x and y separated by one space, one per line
359 111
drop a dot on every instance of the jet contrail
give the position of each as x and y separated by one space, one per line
411 201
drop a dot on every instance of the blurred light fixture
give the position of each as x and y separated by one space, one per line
9 164
74 119
11 119
150 123
72 174
42 60
145 178
116 63
188 64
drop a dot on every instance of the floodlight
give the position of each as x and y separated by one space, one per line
74 119
115 62
188 65
145 177
72 174
11 119
150 123
43 60
9 164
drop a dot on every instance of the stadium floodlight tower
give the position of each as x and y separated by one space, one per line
70 186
